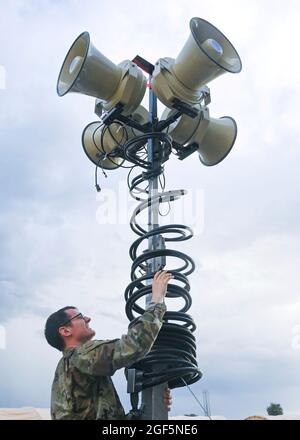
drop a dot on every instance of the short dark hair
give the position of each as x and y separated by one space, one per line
53 323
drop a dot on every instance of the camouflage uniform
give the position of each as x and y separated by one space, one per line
83 389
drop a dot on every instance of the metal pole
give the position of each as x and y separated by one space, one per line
152 398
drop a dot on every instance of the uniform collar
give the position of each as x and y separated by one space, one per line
68 351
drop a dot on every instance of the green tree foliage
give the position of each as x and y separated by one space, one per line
275 409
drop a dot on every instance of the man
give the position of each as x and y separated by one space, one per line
82 388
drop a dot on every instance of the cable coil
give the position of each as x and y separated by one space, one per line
175 347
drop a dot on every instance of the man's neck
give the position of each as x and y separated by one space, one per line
73 344
70 345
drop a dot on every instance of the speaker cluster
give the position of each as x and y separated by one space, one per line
206 55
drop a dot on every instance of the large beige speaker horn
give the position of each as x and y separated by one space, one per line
214 137
86 70
98 140
206 55
218 140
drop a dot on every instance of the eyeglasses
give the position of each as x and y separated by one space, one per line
80 316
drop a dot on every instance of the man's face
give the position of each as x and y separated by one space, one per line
78 326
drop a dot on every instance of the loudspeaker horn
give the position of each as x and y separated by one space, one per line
86 70
218 140
206 55
214 137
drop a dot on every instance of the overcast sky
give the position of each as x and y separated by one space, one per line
55 251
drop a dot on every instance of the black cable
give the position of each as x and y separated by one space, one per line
175 346
109 155
132 146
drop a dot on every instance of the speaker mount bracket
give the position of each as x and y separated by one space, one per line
165 123
145 128
98 107
113 114
184 152
205 91
185 108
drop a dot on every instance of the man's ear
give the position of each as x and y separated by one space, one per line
65 331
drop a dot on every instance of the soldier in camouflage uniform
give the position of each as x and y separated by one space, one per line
82 388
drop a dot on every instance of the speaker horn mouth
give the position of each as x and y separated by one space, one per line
88 139
229 148
67 77
202 31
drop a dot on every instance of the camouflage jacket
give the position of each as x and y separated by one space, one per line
83 389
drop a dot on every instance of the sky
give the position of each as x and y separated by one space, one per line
56 248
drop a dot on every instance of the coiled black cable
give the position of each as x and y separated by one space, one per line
133 146
175 347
